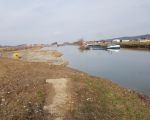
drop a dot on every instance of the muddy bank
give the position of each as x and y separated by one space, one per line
37 55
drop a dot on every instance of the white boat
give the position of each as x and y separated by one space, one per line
113 50
113 47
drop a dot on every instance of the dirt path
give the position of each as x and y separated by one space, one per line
60 102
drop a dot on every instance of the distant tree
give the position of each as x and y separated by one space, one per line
79 42
54 43
143 38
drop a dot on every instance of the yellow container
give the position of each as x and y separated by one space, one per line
16 56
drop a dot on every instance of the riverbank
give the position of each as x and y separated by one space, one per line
135 45
24 93
131 44
21 47
36 54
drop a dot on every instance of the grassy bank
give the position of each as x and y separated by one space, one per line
101 99
139 45
23 91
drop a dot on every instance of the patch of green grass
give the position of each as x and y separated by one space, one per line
101 99
40 93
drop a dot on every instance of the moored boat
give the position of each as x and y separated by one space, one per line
97 47
113 47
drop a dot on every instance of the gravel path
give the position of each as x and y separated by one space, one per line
61 99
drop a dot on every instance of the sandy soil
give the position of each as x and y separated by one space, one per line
38 55
60 101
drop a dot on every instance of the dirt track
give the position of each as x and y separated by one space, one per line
60 102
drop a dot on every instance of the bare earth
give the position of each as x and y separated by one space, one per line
60 101
38 55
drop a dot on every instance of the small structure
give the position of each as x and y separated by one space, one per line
124 40
16 55
116 40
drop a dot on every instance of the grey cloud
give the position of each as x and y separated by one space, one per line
31 21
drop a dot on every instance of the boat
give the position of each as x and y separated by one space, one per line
101 47
113 47
96 47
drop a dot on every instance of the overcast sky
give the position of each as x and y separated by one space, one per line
43 21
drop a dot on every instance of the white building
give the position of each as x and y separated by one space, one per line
116 40
125 40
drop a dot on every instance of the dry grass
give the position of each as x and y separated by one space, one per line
98 99
23 91
23 88
16 48
132 44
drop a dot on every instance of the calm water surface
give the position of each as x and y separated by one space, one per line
128 68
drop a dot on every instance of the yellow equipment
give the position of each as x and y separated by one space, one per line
16 56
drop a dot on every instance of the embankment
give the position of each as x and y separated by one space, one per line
131 44
36 54
20 47
137 45
23 93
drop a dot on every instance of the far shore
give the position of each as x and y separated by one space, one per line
136 45
130 44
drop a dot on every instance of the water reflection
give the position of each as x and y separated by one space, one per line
129 68
113 50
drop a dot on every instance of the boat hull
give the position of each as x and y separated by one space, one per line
97 47
113 47
101 47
